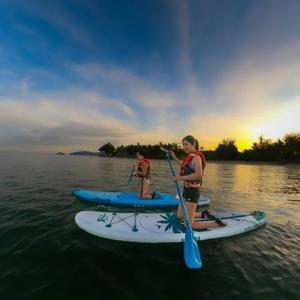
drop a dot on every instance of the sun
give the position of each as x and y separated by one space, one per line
279 123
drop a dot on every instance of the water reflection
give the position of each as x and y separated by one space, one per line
38 233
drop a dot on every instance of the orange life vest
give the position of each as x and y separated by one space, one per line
139 168
188 168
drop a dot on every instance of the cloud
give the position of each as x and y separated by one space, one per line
123 108
55 14
246 94
77 129
254 98
48 122
191 87
257 84
96 99
147 106
25 85
141 92
257 94
85 112
256 81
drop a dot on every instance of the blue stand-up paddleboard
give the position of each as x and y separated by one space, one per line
162 227
130 199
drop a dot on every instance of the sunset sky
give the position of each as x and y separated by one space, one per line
77 74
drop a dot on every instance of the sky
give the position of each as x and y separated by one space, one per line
77 74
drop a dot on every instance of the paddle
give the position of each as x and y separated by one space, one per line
131 175
191 250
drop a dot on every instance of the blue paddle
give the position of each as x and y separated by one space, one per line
191 250
131 175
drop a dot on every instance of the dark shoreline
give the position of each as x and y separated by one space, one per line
258 162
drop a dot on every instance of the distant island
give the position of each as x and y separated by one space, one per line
88 153
60 153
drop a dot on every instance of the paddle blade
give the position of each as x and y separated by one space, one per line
192 256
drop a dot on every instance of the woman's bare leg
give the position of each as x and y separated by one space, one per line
190 209
205 224
191 212
179 211
144 188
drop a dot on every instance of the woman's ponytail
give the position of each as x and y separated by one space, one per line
196 144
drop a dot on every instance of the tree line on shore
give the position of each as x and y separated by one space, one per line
286 149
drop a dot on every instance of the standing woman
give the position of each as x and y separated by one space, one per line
191 173
143 172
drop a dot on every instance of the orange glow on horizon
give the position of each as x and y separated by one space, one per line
242 144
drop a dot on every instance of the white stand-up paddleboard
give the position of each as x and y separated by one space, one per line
162 227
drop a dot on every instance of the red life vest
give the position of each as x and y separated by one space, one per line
187 167
139 168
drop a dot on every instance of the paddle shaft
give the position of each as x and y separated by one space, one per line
187 222
131 175
192 255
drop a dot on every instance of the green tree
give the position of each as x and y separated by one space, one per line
291 149
287 149
262 149
108 148
227 150
263 144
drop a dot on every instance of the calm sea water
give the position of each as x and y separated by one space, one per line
44 255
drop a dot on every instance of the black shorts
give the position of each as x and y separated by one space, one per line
191 194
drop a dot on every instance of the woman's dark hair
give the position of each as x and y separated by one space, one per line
190 139
143 152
